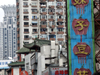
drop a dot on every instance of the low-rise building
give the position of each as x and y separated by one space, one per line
46 53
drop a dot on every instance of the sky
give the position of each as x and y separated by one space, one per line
5 2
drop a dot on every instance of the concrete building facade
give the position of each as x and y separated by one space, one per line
45 19
9 32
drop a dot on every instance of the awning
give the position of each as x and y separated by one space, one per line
34 22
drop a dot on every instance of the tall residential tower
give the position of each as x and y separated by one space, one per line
43 19
9 32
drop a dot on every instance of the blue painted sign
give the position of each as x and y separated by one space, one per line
81 37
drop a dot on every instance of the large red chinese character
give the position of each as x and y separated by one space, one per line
80 26
81 50
80 4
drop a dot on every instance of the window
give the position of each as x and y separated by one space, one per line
26 36
43 36
35 36
43 10
60 29
26 23
34 23
43 29
43 23
43 16
25 10
59 23
26 30
59 10
5 18
34 30
51 3
51 23
25 17
51 10
43 4
59 4
51 16
52 36
60 17
25 4
34 10
60 36
34 17
33 4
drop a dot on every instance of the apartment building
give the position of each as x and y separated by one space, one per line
43 19
8 36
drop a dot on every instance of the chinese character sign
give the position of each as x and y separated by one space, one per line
81 37
80 5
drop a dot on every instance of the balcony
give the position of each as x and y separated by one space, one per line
18 35
52 38
59 13
52 26
34 25
43 26
60 7
17 23
59 0
17 3
17 10
53 33
60 20
43 13
26 25
34 19
17 16
51 13
43 32
43 19
43 38
51 0
60 39
26 38
34 32
51 7
60 32
26 19
18 29
26 32
60 26
33 6
25 12
43 0
51 19
34 12
18 42
33 0
18 48
25 5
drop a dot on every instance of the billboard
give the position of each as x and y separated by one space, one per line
81 50
4 64
56 71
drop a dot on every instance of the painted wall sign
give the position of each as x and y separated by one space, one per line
80 5
81 49
82 71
